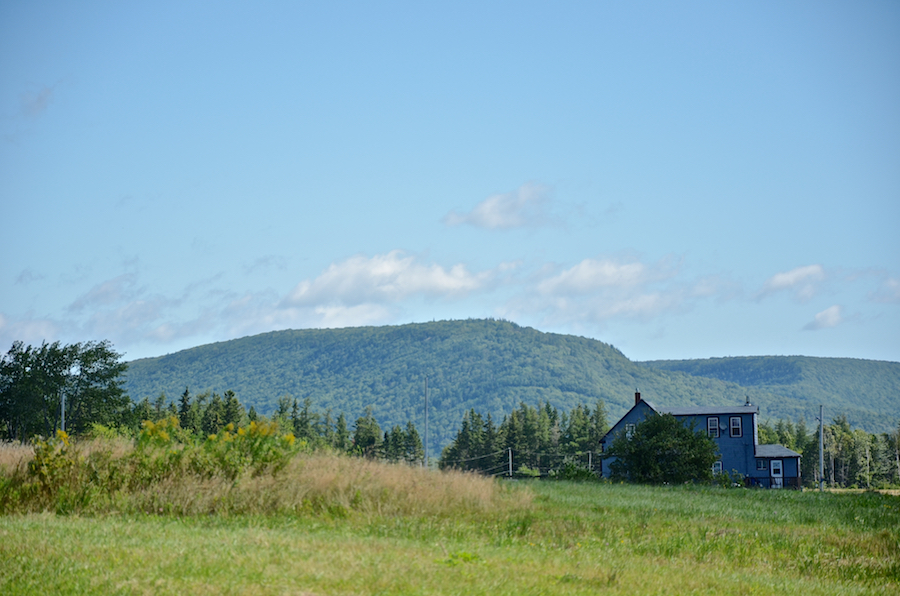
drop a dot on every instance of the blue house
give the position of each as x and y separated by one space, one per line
734 429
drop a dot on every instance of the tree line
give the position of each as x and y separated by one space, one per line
78 388
852 457
542 438
208 413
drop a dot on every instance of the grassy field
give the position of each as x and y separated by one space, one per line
329 525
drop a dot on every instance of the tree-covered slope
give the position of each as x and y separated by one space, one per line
491 366
487 365
866 391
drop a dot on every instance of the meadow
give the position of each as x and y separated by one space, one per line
317 523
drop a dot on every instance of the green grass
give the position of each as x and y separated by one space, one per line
323 524
572 539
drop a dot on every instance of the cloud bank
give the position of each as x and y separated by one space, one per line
802 282
398 287
828 318
524 207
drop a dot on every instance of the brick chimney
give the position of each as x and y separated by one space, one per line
637 397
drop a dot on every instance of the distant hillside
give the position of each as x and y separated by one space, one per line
487 365
866 391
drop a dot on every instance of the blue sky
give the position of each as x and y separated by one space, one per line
682 181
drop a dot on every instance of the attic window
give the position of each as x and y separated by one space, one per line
712 427
736 426
629 431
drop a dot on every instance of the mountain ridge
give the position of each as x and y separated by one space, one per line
485 364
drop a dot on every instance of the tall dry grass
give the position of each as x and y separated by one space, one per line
111 475
14 455
336 486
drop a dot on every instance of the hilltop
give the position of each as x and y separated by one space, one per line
866 391
487 365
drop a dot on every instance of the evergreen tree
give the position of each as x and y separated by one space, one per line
493 441
142 411
327 431
295 417
599 424
159 405
367 436
283 412
341 439
394 446
767 434
414 451
234 411
186 413
577 436
213 419
305 422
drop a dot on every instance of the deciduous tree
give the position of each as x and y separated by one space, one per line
662 450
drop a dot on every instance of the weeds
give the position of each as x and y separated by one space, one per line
253 470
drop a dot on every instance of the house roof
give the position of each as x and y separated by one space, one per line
690 411
708 410
775 451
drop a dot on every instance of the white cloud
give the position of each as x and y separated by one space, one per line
828 318
591 275
889 292
597 290
802 282
28 330
112 291
383 278
524 207
352 316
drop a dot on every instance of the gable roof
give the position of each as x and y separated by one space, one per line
635 406
691 411
775 451
709 410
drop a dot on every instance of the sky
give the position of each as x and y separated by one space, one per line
680 180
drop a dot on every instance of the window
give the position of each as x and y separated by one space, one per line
712 426
717 467
736 426
629 431
761 464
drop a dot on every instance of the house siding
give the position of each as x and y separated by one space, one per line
736 453
635 415
739 452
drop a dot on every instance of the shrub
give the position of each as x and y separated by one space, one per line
573 472
662 450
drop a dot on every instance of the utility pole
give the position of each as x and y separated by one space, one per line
510 462
821 448
425 461
62 411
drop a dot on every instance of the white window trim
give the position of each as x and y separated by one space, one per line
712 430
629 431
717 467
739 427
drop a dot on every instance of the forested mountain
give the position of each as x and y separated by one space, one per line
487 365
866 391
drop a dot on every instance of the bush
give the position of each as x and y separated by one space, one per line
662 450
574 472
65 477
